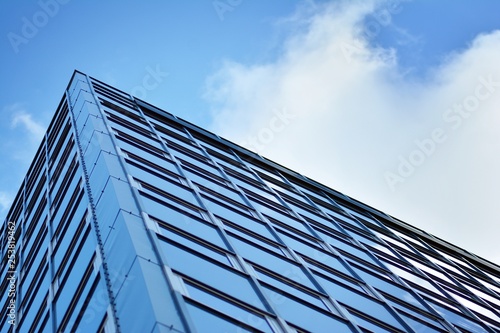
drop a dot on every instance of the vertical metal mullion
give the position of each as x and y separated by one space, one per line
95 223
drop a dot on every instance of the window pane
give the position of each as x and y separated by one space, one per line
228 308
193 226
388 287
196 246
303 315
208 322
457 319
212 274
287 287
272 262
359 302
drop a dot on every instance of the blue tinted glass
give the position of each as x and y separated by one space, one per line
194 226
208 180
164 185
406 313
153 162
224 211
272 262
350 249
63 243
324 223
193 245
71 285
224 191
411 277
457 319
228 308
329 261
286 287
417 325
38 261
208 322
347 220
303 315
38 298
365 323
92 315
388 287
154 177
268 246
212 274
358 301
309 249
242 183
252 225
162 211
199 160
287 220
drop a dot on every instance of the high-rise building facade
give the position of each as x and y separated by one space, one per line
132 220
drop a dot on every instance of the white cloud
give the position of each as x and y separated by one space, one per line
21 117
356 114
5 201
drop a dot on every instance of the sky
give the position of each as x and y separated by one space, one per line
394 103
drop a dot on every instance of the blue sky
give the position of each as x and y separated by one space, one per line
366 91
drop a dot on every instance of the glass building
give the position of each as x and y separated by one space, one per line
133 220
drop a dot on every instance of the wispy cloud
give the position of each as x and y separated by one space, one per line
5 201
35 129
357 114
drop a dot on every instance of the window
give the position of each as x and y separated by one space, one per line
209 321
197 244
147 139
63 217
421 325
69 235
255 230
222 193
154 163
349 250
329 265
112 100
229 307
56 124
271 261
294 289
128 127
300 243
192 225
286 222
139 147
60 165
220 277
388 287
300 314
168 209
360 302
231 213
456 318
413 279
166 189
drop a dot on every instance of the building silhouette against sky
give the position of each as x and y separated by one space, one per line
132 220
